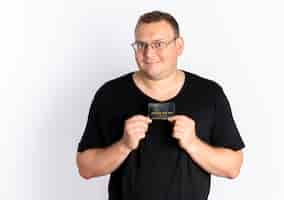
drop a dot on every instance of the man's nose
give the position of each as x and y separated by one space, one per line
149 51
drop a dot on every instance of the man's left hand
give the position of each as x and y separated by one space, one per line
183 130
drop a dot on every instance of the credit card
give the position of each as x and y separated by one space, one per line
161 110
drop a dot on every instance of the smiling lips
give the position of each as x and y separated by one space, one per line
150 62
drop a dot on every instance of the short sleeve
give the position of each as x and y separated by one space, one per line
225 132
93 134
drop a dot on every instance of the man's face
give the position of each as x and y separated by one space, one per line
157 63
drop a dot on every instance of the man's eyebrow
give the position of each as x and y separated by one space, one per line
156 40
140 41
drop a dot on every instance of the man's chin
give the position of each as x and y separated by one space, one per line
152 66
152 74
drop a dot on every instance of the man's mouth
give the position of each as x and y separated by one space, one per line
150 62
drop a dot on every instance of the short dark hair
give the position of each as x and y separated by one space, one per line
157 16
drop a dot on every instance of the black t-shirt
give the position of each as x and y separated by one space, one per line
159 169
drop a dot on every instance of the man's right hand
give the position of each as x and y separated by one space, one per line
102 161
135 129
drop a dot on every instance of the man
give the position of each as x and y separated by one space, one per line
159 131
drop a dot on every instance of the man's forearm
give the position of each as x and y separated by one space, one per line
218 161
103 161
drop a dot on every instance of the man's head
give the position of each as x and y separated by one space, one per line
157 44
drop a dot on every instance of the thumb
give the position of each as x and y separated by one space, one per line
149 120
171 119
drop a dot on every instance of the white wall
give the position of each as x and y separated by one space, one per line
55 54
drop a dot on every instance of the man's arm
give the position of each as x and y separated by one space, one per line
101 161
218 161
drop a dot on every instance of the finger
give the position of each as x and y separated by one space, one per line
176 135
174 118
138 131
142 124
140 128
138 124
142 135
178 129
180 124
141 118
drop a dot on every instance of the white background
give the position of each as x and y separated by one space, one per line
55 54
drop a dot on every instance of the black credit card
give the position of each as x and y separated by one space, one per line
161 110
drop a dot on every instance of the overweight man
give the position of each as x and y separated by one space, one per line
160 131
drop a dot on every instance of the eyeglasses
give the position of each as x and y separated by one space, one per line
139 46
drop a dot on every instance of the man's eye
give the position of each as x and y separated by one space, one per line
158 44
141 45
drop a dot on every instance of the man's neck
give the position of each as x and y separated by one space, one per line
157 85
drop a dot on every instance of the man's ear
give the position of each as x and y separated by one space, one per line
179 45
